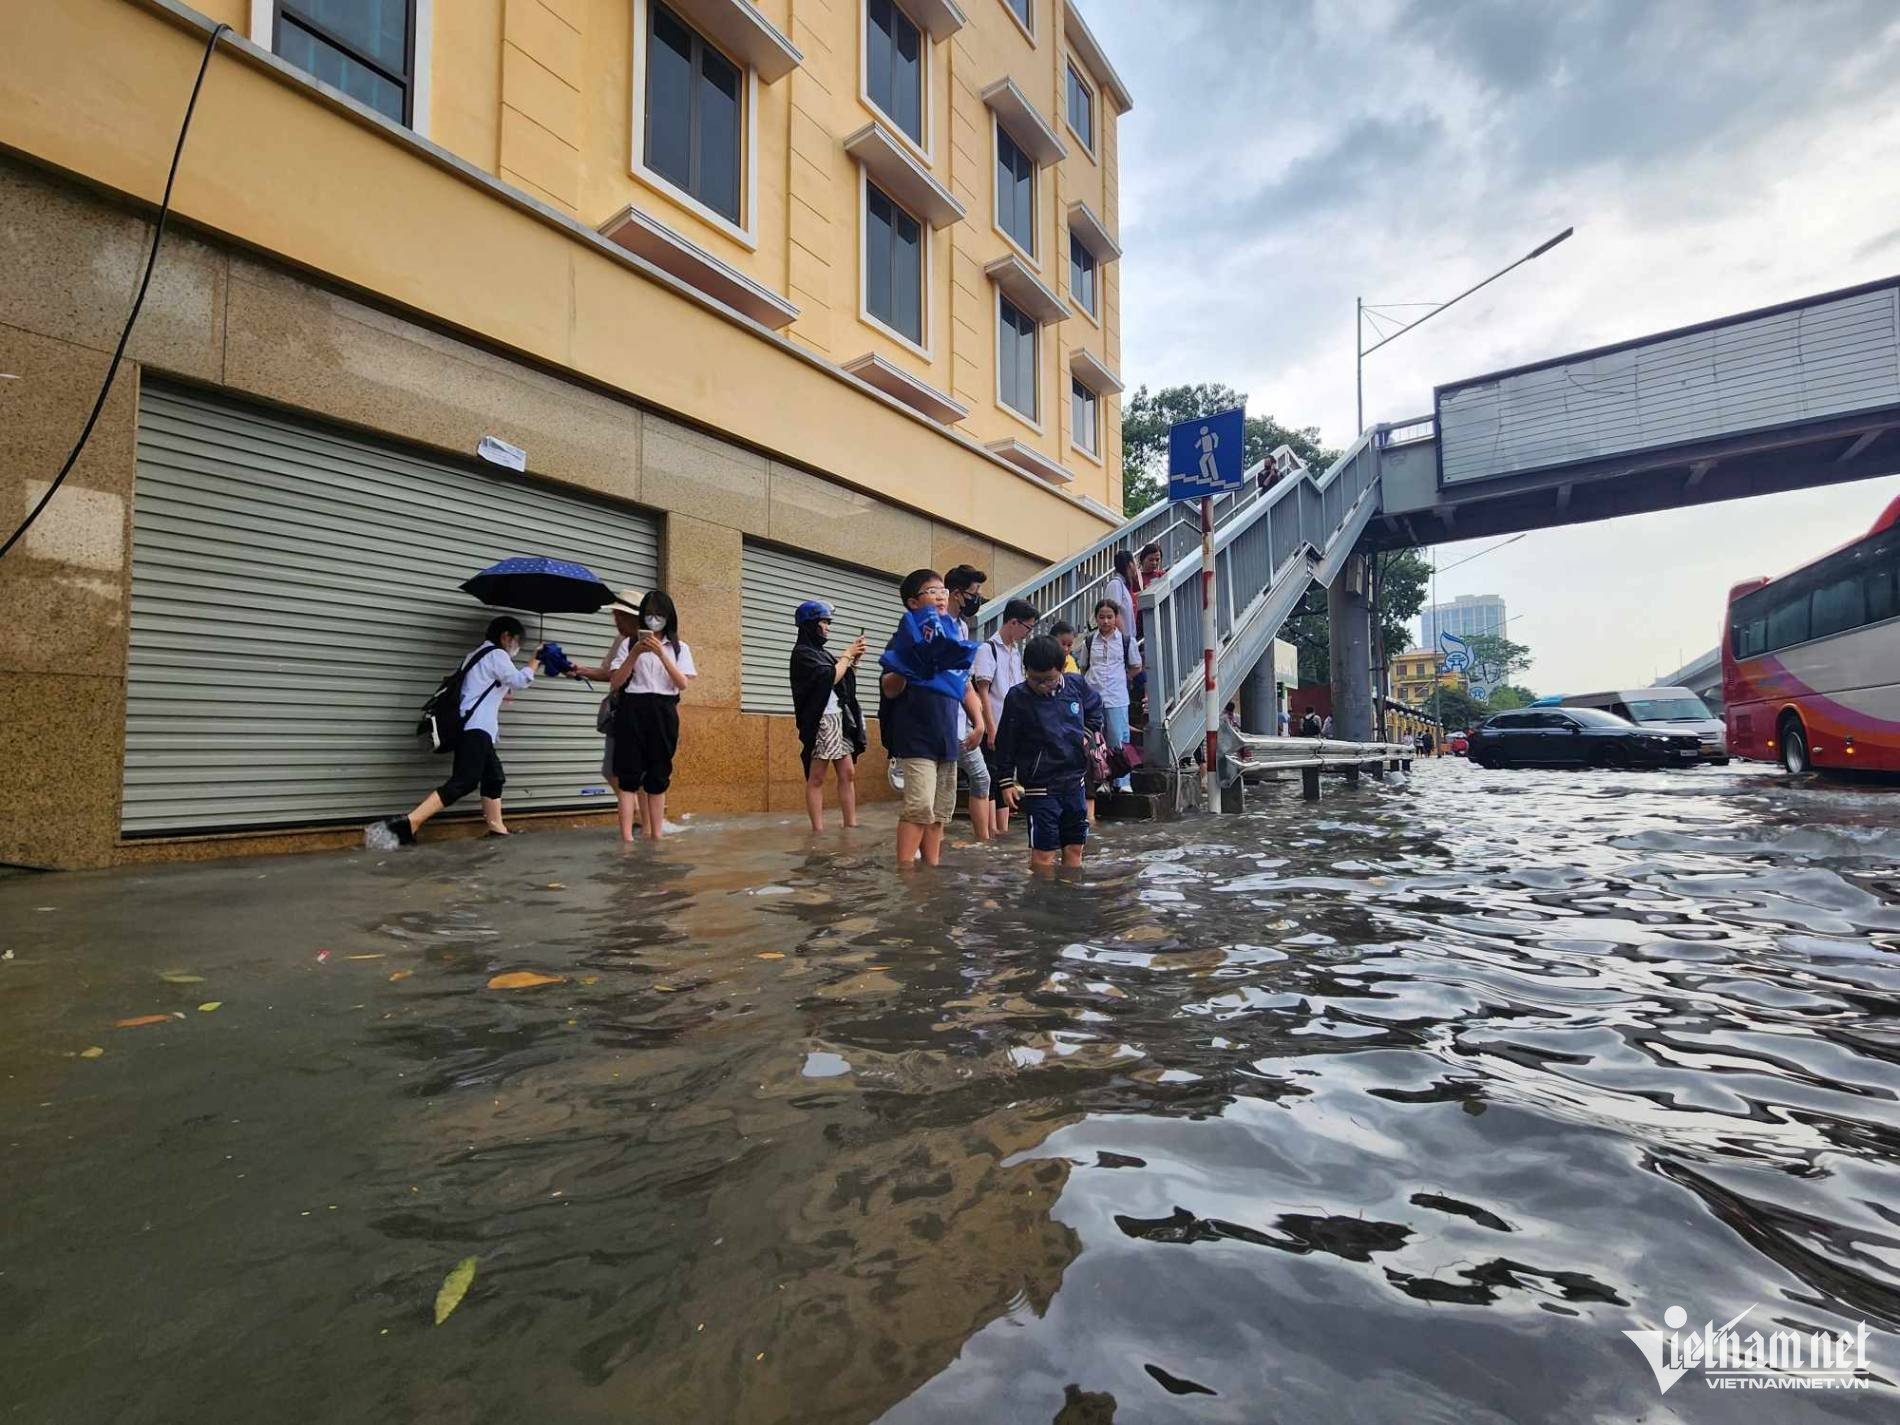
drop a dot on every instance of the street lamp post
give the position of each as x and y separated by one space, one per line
1359 330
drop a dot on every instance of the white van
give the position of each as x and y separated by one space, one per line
1678 709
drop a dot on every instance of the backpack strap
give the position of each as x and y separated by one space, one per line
468 668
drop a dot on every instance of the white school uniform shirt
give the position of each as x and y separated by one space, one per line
621 650
650 676
1107 672
1003 666
494 669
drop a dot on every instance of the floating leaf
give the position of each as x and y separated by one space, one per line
590 979
400 975
209 1005
556 886
454 1287
377 956
771 955
140 1019
95 1052
523 980
181 977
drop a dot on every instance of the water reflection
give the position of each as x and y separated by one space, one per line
1402 1108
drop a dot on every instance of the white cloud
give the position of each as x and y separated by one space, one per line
1713 155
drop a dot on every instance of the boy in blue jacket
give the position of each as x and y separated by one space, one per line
1041 760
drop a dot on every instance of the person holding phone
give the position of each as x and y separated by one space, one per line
825 706
647 715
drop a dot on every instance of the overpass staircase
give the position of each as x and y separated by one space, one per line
1269 548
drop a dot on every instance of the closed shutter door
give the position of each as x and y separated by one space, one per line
295 600
774 584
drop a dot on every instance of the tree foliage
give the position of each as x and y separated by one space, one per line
1495 658
1404 577
1507 696
1146 416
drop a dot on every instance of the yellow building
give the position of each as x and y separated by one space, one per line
1412 675
750 301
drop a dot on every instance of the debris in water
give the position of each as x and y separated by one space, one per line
209 1005
95 1052
524 980
181 977
454 1287
139 1020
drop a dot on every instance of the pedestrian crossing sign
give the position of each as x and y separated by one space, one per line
1207 455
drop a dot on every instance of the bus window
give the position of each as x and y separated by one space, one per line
1751 636
1880 594
1788 621
1838 607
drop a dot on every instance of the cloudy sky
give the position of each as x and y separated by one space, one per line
1286 156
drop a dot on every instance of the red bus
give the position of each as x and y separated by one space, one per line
1811 661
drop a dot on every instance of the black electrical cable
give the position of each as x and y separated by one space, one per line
138 302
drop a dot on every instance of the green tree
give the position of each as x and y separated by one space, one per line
1404 577
1457 708
1507 696
1146 416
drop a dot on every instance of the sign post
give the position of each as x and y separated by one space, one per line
1207 455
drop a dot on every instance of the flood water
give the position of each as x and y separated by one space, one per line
1400 1108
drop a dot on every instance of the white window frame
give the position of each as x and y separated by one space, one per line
1029 30
865 314
927 150
1094 314
1034 422
264 36
996 192
1093 452
1095 103
746 232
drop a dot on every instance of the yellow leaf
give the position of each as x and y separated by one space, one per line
400 975
181 977
376 956
454 1287
556 886
590 979
523 980
141 1019
209 1005
771 955
95 1052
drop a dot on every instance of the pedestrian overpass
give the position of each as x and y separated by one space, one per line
1802 394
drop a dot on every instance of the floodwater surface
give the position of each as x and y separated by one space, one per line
1404 1107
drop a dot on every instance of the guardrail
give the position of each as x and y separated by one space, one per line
1296 523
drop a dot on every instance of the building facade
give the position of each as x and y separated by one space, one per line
1467 616
1413 674
753 302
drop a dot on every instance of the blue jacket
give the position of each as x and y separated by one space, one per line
1039 740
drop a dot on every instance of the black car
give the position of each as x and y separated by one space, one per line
1577 737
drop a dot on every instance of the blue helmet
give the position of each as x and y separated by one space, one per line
812 610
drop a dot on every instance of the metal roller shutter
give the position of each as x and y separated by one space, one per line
294 601
773 585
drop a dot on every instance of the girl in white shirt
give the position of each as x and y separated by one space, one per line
647 720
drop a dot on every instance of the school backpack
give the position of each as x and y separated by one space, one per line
442 720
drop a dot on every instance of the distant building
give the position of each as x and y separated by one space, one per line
1410 677
1468 615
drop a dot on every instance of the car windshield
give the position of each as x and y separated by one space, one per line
1679 709
1596 717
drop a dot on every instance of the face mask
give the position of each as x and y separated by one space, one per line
971 603
654 622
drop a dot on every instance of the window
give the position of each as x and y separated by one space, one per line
1081 109
692 113
366 48
1015 358
1838 606
1015 192
1025 13
893 265
894 66
1788 620
1082 275
1083 422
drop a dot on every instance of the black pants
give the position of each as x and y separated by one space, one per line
646 735
476 763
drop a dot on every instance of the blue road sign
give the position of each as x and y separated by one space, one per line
1207 455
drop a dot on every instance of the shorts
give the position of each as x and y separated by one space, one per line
1058 817
976 772
930 791
646 735
830 745
476 765
607 759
